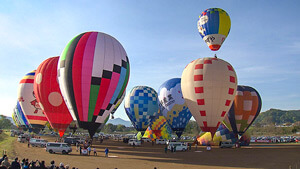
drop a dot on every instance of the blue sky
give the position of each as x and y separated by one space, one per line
160 38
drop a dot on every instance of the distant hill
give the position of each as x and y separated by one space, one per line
117 121
278 116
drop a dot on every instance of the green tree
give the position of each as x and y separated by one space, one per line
5 123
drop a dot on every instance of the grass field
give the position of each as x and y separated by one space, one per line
7 145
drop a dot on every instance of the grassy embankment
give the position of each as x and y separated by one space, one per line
7 145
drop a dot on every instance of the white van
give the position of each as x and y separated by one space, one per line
160 141
53 147
180 146
134 142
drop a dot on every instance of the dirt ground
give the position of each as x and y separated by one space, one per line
122 156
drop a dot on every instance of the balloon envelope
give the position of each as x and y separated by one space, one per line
222 134
157 124
173 106
29 105
244 110
49 97
208 86
214 26
93 72
141 104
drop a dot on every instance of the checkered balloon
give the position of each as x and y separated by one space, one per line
141 104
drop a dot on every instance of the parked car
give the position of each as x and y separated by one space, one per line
160 141
21 138
54 147
134 142
37 142
73 140
226 144
180 146
146 140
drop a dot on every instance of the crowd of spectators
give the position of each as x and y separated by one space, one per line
26 164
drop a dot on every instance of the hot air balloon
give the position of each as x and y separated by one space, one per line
208 86
166 132
116 106
141 104
157 124
93 72
214 26
49 97
222 134
20 117
173 106
16 120
244 110
150 134
28 103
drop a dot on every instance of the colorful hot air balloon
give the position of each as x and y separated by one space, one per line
21 117
173 106
141 104
149 134
117 105
157 124
166 132
222 134
29 104
93 72
15 119
208 86
49 97
244 110
214 26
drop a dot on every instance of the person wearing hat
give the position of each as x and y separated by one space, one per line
61 166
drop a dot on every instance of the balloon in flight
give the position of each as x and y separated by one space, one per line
214 26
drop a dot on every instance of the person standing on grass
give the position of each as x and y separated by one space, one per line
106 152
95 152
89 149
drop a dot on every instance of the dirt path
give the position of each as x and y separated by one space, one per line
122 156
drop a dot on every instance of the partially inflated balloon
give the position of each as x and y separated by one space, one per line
222 134
173 106
27 100
157 124
166 132
93 72
244 110
149 134
208 86
214 26
141 104
49 97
